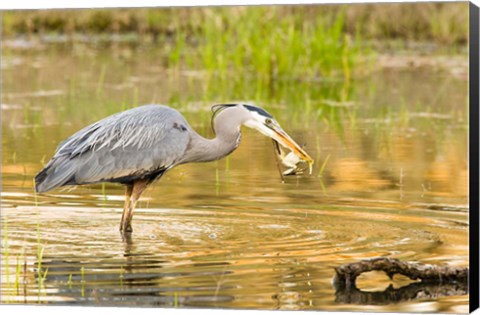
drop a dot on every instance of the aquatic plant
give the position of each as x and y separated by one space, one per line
41 274
175 299
6 255
82 281
69 281
324 164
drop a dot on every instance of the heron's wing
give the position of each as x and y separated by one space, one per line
132 143
139 127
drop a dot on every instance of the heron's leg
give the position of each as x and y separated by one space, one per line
126 205
138 188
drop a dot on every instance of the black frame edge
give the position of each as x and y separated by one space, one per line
474 87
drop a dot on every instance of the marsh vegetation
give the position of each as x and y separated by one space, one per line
382 108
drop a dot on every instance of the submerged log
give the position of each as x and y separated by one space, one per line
347 274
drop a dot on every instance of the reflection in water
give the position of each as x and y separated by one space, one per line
283 259
136 279
123 284
411 292
389 180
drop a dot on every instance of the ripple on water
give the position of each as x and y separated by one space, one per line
210 256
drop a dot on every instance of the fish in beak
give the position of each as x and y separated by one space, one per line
269 127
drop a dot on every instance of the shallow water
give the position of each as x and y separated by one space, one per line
390 179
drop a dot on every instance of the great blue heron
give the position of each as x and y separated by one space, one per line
138 146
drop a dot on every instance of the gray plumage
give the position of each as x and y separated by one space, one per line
139 145
119 148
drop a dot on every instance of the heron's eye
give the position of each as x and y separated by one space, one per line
268 121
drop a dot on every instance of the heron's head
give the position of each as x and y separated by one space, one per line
259 119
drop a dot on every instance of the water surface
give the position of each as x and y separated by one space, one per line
390 179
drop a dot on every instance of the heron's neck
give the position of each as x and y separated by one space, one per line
227 129
204 150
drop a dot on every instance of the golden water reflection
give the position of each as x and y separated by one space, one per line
390 179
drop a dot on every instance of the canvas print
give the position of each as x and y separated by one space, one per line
282 157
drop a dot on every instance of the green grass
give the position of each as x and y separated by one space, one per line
17 275
322 168
6 255
104 193
273 49
217 181
442 23
35 196
82 281
175 299
258 49
11 289
41 274
122 271
69 281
